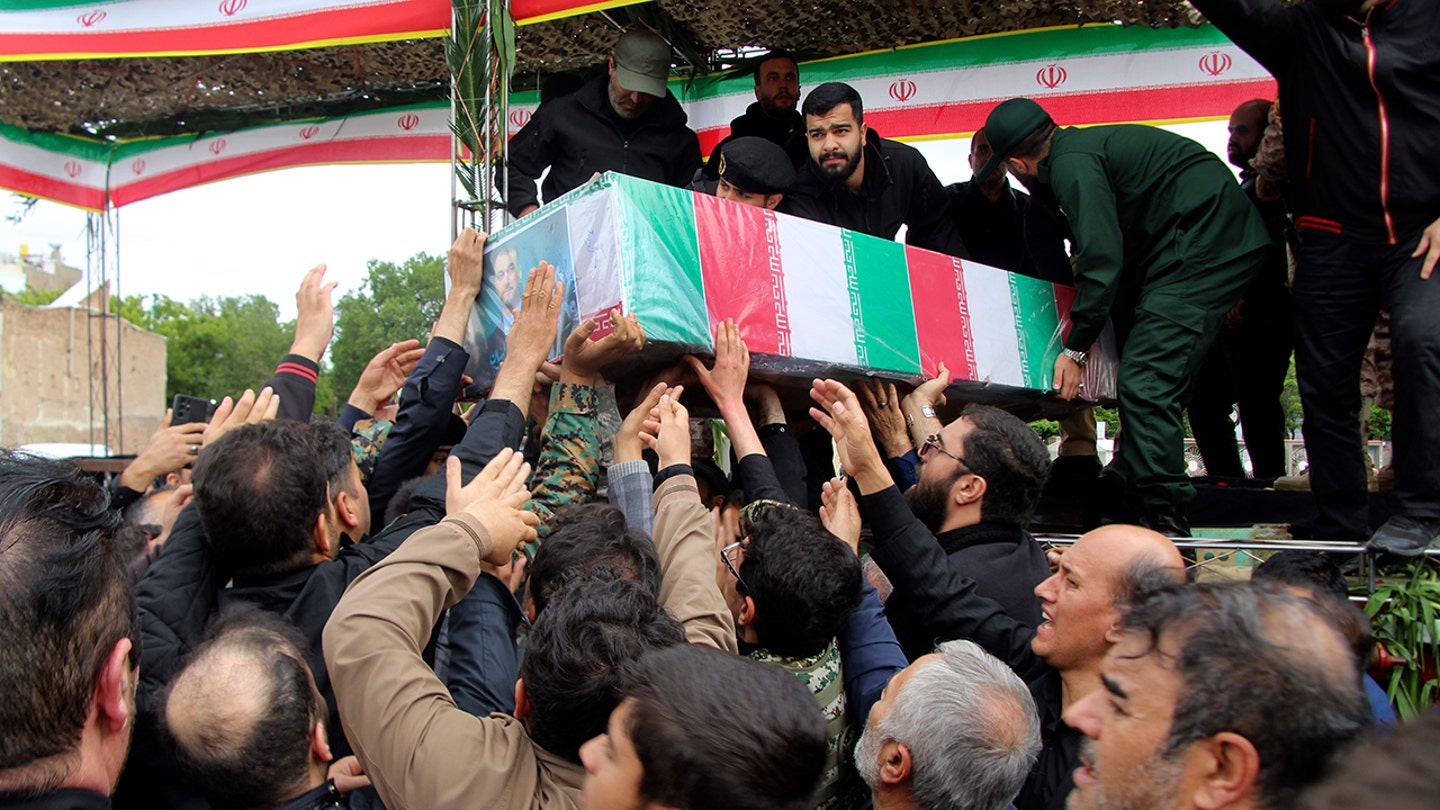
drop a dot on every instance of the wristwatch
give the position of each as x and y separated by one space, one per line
1080 358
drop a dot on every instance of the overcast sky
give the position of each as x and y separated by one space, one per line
260 233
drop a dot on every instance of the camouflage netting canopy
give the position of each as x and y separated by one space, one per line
166 96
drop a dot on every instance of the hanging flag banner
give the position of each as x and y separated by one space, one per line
809 298
1090 75
97 29
59 168
88 174
144 169
1096 74
66 29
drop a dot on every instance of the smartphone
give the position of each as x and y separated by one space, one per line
186 409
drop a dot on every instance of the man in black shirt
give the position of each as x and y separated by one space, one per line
995 221
857 180
625 122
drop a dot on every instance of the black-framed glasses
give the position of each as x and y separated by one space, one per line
726 553
933 442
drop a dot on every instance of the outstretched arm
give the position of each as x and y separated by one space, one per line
403 724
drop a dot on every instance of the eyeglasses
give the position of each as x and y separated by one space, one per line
726 553
932 442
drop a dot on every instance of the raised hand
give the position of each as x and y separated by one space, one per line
667 431
725 383
919 406
628 444
882 407
385 374
247 410
531 336
170 448
494 498
315 318
465 262
585 357
839 413
840 513
533 333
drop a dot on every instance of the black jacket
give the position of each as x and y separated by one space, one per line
785 132
580 134
420 423
898 189
1362 151
1011 233
185 588
1006 564
63 799
948 606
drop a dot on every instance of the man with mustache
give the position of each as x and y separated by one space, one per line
625 122
1218 695
859 181
773 115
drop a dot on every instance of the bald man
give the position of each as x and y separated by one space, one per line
249 723
1081 604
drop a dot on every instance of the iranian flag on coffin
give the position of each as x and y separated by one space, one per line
808 298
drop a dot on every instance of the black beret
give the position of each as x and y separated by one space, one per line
755 166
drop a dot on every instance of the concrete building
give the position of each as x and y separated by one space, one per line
61 368
26 269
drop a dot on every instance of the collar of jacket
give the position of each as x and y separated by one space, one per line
984 533
1042 169
320 798
792 120
63 799
595 97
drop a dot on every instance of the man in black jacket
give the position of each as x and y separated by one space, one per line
995 221
774 115
857 180
979 480
1360 88
625 122
67 623
1248 363
1082 603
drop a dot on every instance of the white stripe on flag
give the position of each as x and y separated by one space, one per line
992 324
813 260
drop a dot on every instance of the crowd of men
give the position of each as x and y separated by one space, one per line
428 605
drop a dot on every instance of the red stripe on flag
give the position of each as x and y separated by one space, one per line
396 149
395 20
743 277
1064 299
942 316
45 187
1146 104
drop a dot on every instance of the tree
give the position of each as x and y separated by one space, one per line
218 347
34 298
396 302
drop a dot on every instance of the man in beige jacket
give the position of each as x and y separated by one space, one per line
420 750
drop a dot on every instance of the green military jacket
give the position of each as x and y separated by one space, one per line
1148 208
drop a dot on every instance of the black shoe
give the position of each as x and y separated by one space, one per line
1166 520
1406 536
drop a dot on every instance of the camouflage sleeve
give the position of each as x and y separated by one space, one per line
569 464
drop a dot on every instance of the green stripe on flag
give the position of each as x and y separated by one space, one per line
879 282
49 5
1037 319
662 264
71 145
